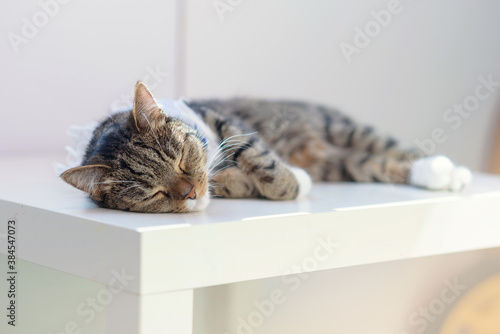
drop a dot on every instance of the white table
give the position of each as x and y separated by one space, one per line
166 257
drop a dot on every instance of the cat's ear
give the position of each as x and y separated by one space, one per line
87 178
146 113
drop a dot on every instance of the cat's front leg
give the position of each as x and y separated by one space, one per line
253 163
273 178
232 182
254 170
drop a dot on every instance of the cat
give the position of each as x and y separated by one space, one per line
174 156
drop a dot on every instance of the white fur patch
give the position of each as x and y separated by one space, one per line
439 173
461 177
199 204
80 138
304 180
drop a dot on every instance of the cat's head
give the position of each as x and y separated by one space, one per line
144 161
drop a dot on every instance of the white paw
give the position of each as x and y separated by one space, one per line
439 173
304 180
461 177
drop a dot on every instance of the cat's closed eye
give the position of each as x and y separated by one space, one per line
161 193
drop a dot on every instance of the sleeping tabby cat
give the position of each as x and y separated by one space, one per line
154 158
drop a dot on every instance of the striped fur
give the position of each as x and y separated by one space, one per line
155 163
143 160
327 144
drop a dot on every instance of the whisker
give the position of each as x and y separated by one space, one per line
223 159
119 194
218 171
226 158
220 152
242 135
104 182
226 144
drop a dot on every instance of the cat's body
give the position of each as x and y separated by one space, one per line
152 160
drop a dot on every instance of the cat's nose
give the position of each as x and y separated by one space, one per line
189 193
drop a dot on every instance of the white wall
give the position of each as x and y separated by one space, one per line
90 53
426 59
78 65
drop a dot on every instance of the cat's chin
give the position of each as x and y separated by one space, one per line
198 205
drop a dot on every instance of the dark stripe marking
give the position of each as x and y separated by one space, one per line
344 172
365 159
271 166
390 143
267 179
348 142
243 148
327 118
218 126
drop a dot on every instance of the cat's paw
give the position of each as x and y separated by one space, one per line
439 173
304 181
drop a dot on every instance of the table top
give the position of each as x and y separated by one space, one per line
238 240
31 180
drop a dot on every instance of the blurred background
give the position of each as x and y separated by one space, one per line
427 72
405 66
